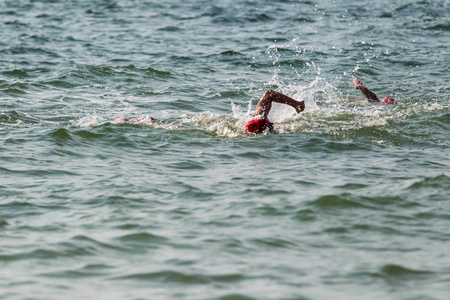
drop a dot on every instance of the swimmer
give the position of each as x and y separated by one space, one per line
371 97
260 122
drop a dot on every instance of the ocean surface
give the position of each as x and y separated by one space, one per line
346 200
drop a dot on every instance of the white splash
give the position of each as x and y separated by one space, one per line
90 120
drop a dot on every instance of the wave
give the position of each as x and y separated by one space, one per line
143 238
19 82
169 276
345 200
234 296
49 254
16 73
398 272
12 117
440 181
76 246
431 188
15 88
128 69
443 26
393 270
97 270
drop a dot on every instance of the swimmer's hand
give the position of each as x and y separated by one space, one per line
358 84
300 107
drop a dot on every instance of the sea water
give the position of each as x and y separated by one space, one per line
346 200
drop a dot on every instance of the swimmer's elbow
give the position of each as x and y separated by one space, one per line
269 93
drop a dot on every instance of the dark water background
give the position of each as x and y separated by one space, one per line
345 201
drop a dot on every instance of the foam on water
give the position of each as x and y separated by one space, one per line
90 120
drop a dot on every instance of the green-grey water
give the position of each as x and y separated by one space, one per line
346 200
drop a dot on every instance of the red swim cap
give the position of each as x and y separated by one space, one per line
388 100
258 125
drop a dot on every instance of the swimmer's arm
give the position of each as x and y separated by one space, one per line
371 97
265 104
